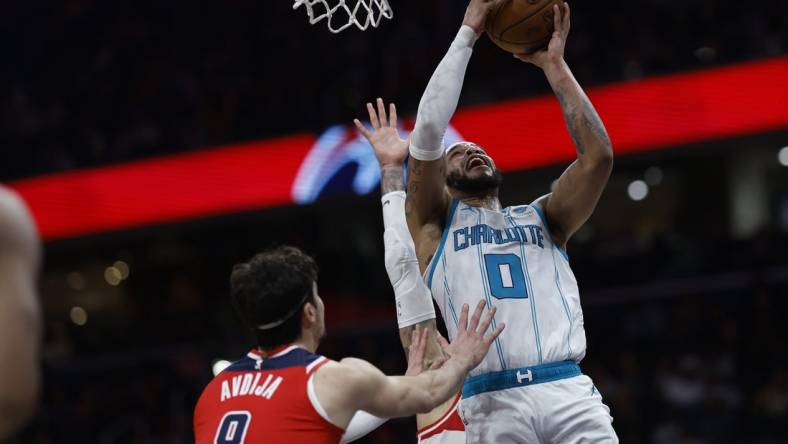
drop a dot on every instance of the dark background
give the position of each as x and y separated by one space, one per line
683 307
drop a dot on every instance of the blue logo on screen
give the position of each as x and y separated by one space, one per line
341 162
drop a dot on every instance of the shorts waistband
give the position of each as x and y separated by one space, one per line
519 377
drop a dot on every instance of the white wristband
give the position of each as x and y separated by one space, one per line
413 298
361 425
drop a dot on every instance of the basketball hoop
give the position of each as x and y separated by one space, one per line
345 13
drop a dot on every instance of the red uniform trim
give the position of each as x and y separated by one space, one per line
449 421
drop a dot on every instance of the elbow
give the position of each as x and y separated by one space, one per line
603 160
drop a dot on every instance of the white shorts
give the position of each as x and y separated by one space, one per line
566 411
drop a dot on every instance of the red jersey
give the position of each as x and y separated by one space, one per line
449 429
265 400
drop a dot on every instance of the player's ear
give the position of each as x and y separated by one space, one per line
310 313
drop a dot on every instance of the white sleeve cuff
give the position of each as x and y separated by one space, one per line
361 425
466 36
413 298
426 155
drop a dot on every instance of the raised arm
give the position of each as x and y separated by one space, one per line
353 384
412 297
579 188
19 314
428 202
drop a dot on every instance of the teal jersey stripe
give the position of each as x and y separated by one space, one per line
448 294
547 227
566 306
439 250
485 284
531 295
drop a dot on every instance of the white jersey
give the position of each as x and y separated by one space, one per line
509 259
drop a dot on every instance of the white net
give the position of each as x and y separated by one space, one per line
342 14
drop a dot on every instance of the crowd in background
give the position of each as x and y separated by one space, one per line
685 327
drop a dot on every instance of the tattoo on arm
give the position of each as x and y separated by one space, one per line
391 180
582 121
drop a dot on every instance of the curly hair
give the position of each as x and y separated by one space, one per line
269 292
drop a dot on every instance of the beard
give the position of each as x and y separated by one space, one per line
474 186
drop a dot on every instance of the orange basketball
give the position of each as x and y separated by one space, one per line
522 26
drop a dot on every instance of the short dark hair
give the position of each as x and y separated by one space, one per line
273 287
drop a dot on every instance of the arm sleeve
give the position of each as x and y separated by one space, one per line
441 97
413 298
361 425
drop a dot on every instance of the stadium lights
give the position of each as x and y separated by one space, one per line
113 276
79 316
782 156
76 281
637 190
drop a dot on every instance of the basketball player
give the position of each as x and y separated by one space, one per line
19 314
283 393
413 299
529 387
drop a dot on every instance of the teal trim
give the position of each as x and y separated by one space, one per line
485 282
566 306
447 297
547 227
439 250
519 377
532 296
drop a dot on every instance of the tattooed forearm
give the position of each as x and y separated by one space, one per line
584 125
391 180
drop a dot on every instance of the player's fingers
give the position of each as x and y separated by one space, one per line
477 315
444 344
414 337
495 333
373 117
438 363
487 320
463 325
424 334
567 21
392 115
557 23
384 121
419 346
361 128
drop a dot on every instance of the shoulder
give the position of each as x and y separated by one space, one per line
351 375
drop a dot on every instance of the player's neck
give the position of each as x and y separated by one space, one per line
488 202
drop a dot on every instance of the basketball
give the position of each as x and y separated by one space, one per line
521 26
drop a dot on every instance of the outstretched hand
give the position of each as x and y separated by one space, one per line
471 345
555 49
390 149
418 345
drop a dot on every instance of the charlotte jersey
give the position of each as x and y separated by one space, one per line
509 259
268 400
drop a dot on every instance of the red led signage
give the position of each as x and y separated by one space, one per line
644 115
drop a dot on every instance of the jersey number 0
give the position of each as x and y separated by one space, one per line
505 275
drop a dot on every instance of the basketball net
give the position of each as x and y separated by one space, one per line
340 16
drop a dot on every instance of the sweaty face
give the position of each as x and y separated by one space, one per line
470 170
